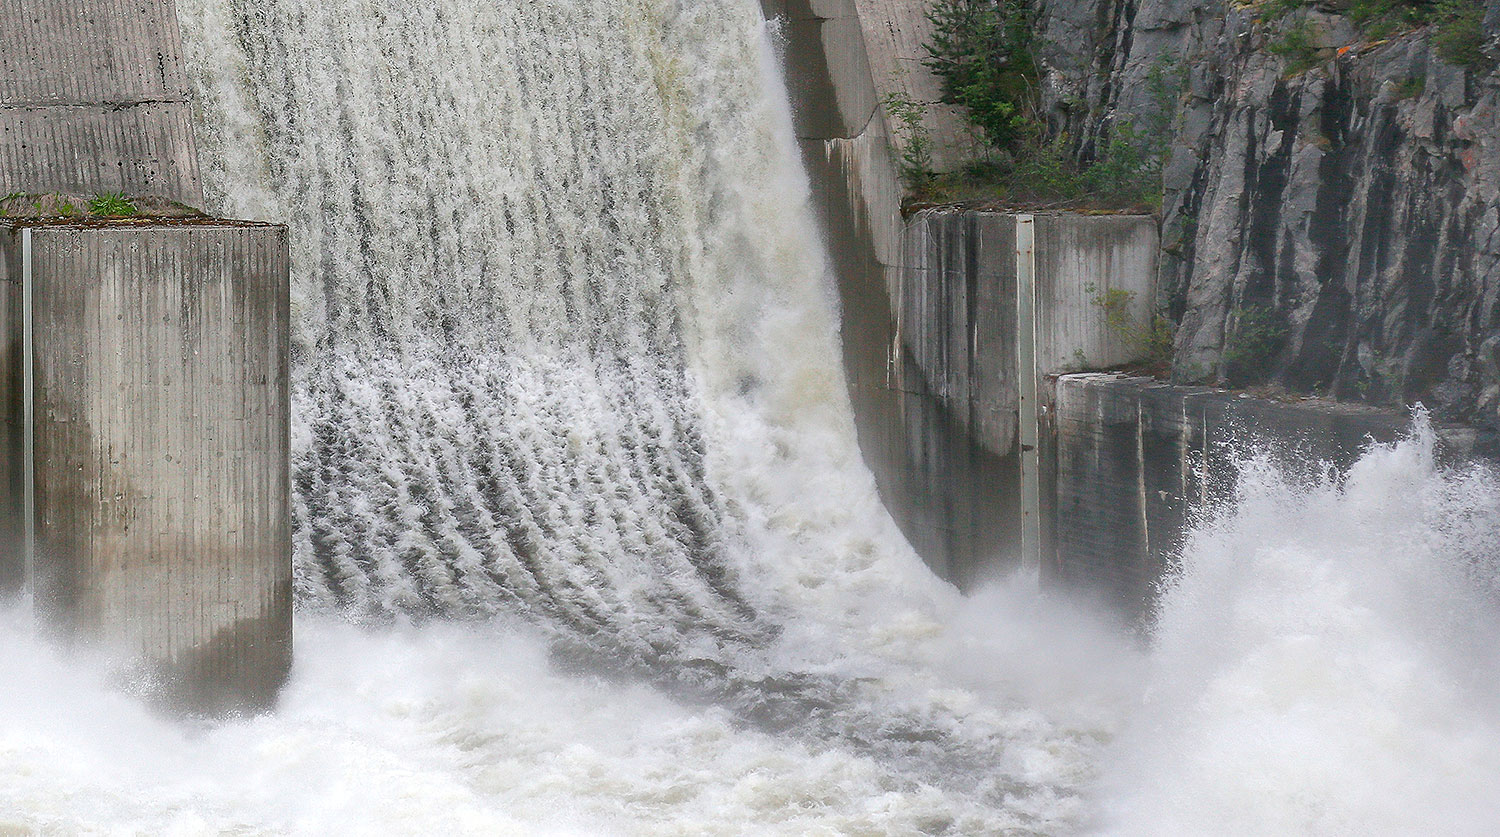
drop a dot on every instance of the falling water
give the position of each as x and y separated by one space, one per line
584 541
566 345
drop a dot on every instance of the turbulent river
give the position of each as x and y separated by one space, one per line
584 540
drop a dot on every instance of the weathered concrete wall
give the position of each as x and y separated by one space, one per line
93 99
897 33
952 374
957 301
161 421
929 307
1133 457
1082 261
956 375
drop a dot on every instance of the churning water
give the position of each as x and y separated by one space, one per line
584 541
1328 660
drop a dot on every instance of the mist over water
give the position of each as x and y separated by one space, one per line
1324 664
1328 659
585 544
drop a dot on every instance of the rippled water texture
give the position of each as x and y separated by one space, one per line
584 541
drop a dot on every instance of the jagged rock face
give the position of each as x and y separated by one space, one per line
1335 230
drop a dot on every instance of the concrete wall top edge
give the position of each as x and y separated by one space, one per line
1084 380
953 209
142 225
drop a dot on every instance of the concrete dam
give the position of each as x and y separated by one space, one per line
629 463
146 381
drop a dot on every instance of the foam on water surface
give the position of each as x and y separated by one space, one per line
572 449
1328 660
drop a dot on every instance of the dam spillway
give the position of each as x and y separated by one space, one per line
585 541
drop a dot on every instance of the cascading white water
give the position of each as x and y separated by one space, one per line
493 405
567 356
567 366
1324 664
1328 662
566 345
564 325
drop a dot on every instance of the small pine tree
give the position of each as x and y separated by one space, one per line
982 52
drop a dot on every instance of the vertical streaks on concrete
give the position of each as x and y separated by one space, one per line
1136 460
162 490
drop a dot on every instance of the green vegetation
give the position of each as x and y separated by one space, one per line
1411 88
112 205
107 207
1298 45
1277 9
983 52
38 205
1151 341
1125 174
1258 336
1457 26
1384 18
1459 37
1166 81
916 156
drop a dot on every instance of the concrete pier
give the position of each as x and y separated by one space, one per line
158 490
956 380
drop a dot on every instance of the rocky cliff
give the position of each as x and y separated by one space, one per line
1331 210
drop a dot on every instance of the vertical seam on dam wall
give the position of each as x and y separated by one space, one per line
28 427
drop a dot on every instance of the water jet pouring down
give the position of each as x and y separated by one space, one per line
585 542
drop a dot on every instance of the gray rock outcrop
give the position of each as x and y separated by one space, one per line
1331 210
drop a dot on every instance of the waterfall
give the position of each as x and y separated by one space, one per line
584 541
548 259
567 351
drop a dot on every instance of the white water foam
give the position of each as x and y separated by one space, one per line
444 729
1327 662
1324 664
567 367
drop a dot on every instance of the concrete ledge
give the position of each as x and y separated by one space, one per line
1131 458
160 422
